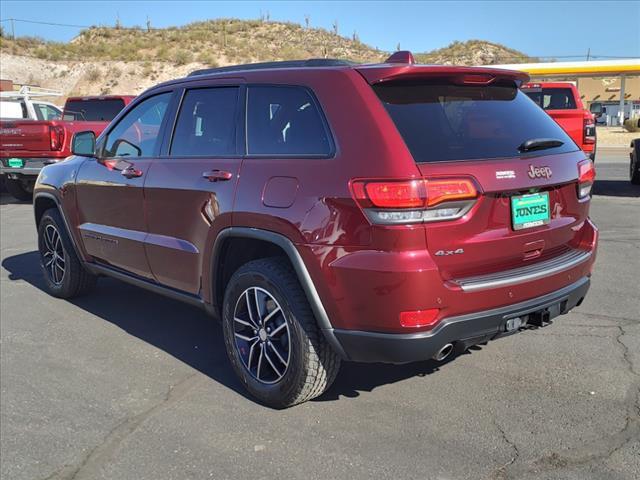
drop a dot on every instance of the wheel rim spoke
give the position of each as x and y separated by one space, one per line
257 302
264 352
253 322
260 361
251 350
275 350
278 329
271 315
245 338
275 369
248 324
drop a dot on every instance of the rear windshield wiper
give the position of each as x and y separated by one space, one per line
539 144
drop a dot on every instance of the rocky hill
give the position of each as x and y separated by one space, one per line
129 60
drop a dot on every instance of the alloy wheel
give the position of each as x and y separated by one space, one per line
53 255
262 336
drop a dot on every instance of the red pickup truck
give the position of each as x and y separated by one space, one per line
561 100
28 145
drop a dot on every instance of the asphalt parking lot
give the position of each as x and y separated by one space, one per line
124 384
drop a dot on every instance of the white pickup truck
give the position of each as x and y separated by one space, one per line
27 104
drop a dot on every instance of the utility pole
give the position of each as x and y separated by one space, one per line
13 30
588 53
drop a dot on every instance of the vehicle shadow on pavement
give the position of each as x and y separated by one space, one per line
182 331
616 188
191 336
355 378
6 199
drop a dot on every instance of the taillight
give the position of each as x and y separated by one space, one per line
415 200
589 129
586 177
56 137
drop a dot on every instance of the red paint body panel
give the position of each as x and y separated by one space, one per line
176 198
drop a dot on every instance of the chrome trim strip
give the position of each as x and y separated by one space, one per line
524 274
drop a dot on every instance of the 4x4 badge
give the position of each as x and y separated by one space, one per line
539 172
446 253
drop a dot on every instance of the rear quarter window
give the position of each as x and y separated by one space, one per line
285 120
444 122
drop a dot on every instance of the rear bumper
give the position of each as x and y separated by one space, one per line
466 330
31 167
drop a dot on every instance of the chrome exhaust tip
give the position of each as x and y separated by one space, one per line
443 353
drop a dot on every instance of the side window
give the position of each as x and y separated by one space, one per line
46 112
136 134
206 123
284 121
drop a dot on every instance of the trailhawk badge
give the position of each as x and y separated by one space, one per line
539 172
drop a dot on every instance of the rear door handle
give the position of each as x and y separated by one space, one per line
217 175
131 172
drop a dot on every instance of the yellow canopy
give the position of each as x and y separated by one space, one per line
596 68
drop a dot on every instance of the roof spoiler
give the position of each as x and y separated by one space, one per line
313 62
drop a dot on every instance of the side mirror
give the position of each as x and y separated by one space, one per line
84 144
596 109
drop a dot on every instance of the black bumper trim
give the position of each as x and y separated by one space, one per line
469 329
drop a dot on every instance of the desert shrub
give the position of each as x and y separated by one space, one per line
162 53
41 53
208 59
92 74
182 57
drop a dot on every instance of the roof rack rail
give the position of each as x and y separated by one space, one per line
313 62
30 91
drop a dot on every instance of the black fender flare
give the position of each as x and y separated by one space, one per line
298 265
56 200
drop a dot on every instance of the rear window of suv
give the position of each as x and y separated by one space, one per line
440 121
93 110
552 98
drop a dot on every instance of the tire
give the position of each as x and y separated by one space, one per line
634 165
20 189
311 365
64 274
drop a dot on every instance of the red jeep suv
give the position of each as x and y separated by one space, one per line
328 211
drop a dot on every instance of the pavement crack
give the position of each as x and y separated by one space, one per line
625 351
568 334
621 320
501 473
102 453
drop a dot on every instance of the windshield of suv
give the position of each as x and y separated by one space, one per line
441 121
93 110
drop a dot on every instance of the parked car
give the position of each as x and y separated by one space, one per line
326 211
634 162
561 100
28 104
28 145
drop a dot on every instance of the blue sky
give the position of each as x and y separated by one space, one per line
538 28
